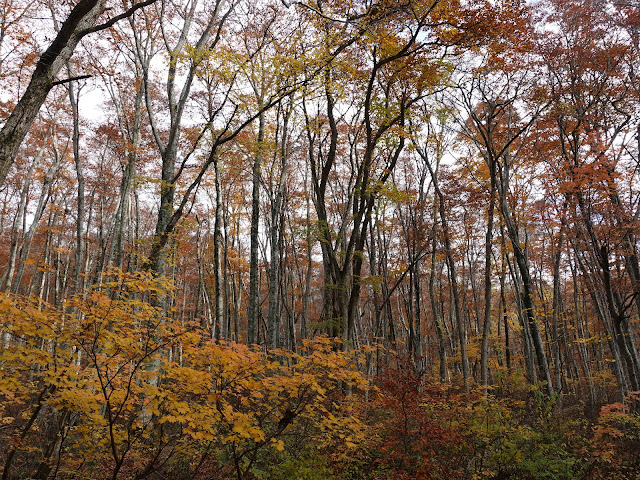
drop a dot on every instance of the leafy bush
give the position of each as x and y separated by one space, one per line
110 387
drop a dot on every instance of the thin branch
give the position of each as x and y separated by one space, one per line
117 18
71 79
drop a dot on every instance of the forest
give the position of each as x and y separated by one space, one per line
319 239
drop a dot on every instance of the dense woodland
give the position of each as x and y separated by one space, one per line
337 239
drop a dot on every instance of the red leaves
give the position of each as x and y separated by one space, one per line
420 426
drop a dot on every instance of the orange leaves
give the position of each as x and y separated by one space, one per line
120 380
254 397
615 442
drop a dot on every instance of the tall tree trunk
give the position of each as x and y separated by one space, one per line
273 315
451 267
45 195
620 321
19 218
74 98
557 305
218 325
304 322
505 315
176 104
484 349
603 313
277 192
417 338
128 175
581 337
437 318
527 343
522 262
254 293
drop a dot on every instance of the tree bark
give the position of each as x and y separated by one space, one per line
82 17
484 349
527 284
218 246
254 292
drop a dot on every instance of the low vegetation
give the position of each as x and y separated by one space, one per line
109 387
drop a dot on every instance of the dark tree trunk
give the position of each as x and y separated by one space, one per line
82 17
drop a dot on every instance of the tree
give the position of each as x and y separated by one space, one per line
400 74
591 91
80 22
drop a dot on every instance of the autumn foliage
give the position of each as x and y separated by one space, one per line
319 239
110 387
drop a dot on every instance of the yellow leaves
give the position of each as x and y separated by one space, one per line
79 400
244 428
586 340
278 444
393 194
342 428
250 398
103 360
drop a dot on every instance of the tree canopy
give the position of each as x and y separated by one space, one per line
319 239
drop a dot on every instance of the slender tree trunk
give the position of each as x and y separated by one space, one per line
254 293
74 98
19 218
217 258
176 104
526 330
128 175
277 228
437 318
557 298
603 314
45 194
505 317
451 266
484 349
309 268
581 337
522 262
417 339
273 316
620 322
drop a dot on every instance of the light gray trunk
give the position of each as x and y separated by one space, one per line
603 314
177 101
582 336
74 97
217 258
277 226
128 175
437 319
484 349
555 338
19 218
307 283
451 266
522 262
45 194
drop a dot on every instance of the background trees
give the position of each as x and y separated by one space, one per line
453 182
